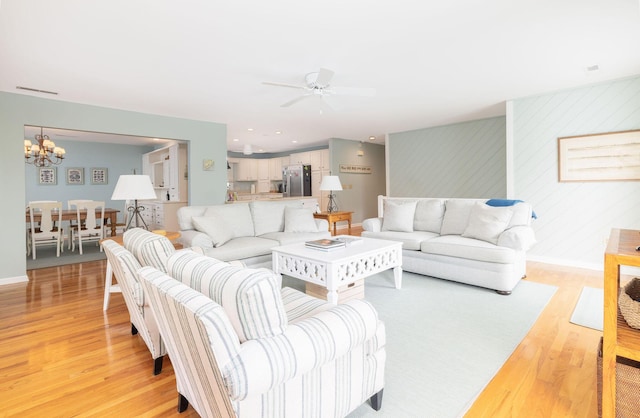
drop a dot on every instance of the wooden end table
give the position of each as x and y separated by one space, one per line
333 218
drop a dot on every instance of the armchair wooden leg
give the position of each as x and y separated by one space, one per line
134 330
376 400
157 365
183 403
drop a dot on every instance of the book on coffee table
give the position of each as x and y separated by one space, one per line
325 244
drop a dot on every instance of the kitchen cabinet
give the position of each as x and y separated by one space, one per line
300 158
275 169
247 170
320 159
619 339
263 169
167 168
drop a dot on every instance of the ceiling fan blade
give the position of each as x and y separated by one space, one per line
296 100
324 77
268 83
354 91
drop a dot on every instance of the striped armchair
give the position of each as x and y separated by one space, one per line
241 346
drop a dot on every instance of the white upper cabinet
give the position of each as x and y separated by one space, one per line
167 168
275 168
320 159
247 170
263 169
300 158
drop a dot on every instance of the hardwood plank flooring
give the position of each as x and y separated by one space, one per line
60 355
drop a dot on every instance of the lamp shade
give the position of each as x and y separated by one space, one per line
330 183
133 187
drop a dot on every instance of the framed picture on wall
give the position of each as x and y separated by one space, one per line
75 175
99 176
47 175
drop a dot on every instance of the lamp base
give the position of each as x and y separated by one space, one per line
332 206
135 215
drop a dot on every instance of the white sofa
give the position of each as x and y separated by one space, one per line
242 346
464 240
248 231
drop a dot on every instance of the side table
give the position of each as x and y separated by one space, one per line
333 218
109 287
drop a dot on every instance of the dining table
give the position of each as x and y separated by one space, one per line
71 214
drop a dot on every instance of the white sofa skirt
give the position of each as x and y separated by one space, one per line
496 276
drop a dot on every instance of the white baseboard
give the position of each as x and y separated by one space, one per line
14 280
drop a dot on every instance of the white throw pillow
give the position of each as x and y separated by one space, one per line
398 216
237 217
299 220
486 222
215 228
456 216
429 214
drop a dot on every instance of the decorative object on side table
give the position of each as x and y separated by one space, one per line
134 187
330 184
629 302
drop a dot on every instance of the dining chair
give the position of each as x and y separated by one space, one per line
93 227
71 205
45 231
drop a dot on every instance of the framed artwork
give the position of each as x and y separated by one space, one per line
75 175
47 175
611 156
99 176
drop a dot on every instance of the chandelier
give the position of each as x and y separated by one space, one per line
44 153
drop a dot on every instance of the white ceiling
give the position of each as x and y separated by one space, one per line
431 63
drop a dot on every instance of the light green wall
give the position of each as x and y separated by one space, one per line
574 219
361 190
206 140
461 160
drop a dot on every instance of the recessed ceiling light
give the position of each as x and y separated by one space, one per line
250 129
278 132
294 141
235 140
372 138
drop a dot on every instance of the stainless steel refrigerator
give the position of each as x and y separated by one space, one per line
296 180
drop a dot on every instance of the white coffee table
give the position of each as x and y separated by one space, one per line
340 267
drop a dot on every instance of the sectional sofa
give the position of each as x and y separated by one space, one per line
464 240
248 231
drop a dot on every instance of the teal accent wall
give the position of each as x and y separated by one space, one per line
461 160
206 140
360 194
574 219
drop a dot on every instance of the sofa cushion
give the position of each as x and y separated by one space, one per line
149 249
486 222
429 214
241 248
521 214
186 213
456 216
269 216
237 216
285 238
299 220
216 228
398 216
250 297
469 248
410 240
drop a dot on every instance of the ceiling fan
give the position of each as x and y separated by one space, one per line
317 84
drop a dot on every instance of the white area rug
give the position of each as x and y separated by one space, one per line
589 311
445 340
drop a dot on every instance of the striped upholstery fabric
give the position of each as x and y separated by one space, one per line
199 338
250 297
299 305
325 365
150 249
125 267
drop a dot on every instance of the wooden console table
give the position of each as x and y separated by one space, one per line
333 218
619 339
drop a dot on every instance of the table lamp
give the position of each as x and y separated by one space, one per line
331 183
134 187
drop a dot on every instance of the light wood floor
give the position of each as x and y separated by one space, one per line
60 355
